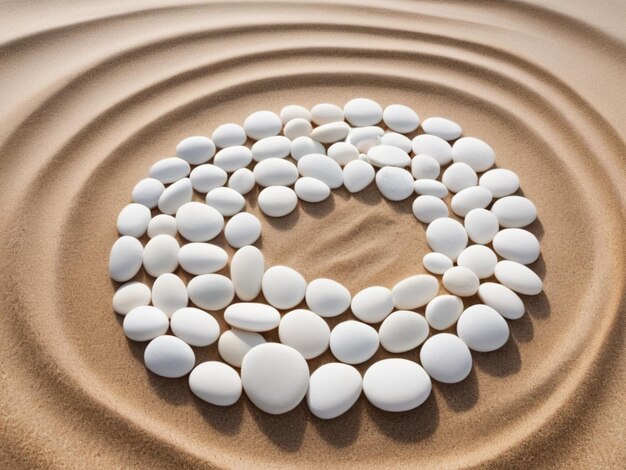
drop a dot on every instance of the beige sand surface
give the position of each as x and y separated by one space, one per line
92 93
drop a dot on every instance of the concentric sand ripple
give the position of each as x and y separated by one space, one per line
90 99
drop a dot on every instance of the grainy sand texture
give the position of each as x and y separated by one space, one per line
93 93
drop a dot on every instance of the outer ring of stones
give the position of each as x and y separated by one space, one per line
322 149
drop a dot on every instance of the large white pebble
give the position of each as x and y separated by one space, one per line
396 385
162 224
125 258
414 291
474 197
131 295
362 112
387 155
175 196
275 377
242 229
443 311
436 263
396 184
425 167
481 225
169 356
446 358
160 255
400 118
231 159
442 127
196 149
446 236
476 153
261 124
459 176
294 111
333 389
372 304
242 181
202 258
229 135
250 316
277 146
275 172
327 298
426 187
198 222
397 140
482 328
357 175
234 344
211 291
277 201
147 192
301 146
206 177
216 383
133 220
283 287
145 323
434 146
343 152
331 132
428 208
460 281
226 201
298 127
518 245
169 293
325 113
514 211
195 327
402 331
304 331
353 342
364 138
169 170
502 299
311 189
500 182
479 259
322 168
518 277
246 270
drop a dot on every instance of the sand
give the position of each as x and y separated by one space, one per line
93 94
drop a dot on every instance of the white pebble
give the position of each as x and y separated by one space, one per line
353 342
195 149
479 259
443 311
176 195
396 184
195 327
202 258
396 385
250 316
481 225
302 146
283 287
437 263
364 138
145 323
518 245
372 304
133 220
169 293
434 146
246 270
231 159
460 281
442 127
518 278
331 132
216 383
327 298
387 155
275 172
242 229
514 211
402 331
304 331
131 295
162 224
414 291
229 135
169 357
333 389
211 291
322 168
242 181
298 127
206 177
426 187
160 255
428 208
397 140
125 258
226 201
311 189
343 153
482 328
294 111
459 176
357 175
147 192
425 167
474 197
277 146
325 113
476 153
500 182
446 358
446 236
199 222
400 118
277 201
234 344
362 112
261 124
169 170
502 299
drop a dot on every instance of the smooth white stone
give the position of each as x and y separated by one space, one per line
396 184
482 328
437 263
125 258
425 167
251 316
275 172
481 225
475 197
242 181
169 356
147 192
322 168
325 113
226 201
202 258
261 124
277 146
414 291
363 112
275 377
518 278
133 220
206 177
514 211
353 342
211 291
446 358
327 298
428 208
131 295
446 236
302 146
169 170
277 201
500 182
231 159
242 229
198 222
195 327
145 323
331 132
443 311
160 255
476 153
397 140
304 331
387 155
176 195
396 385
162 224
216 383
426 187
169 293
333 389
434 146
283 287
372 304
364 138
195 149
402 331
311 189
459 176
294 111
400 118
298 127
234 344
502 299
246 271
357 175
460 281
479 259
343 153
229 135
518 245
442 127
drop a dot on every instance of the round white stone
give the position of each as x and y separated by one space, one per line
425 167
226 201
283 287
331 132
322 168
277 146
145 323
396 385
396 184
442 127
446 236
362 112
428 208
434 146
402 331
459 176
169 293
479 259
502 299
294 111
242 229
325 113
437 263
277 201
474 197
461 281
175 195
275 377
298 127
206 177
427 187
195 327
357 175
327 298
160 255
500 182
353 342
311 189
202 258
133 220
397 140
302 146
443 311
216 383
514 211
304 331
482 328
169 356
246 270
414 291
481 225
211 291
198 222
476 153
229 135
242 181
261 124
231 159
250 316
372 304
446 358
169 170
131 295
400 118
333 389
162 224
387 155
518 245
147 192
518 277
343 152
234 344
196 149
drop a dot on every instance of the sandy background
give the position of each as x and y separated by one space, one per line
93 93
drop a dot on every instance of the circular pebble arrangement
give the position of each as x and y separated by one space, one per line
322 149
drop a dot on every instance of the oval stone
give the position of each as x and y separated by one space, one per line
175 196
125 258
242 181
261 124
302 146
437 263
169 293
196 149
333 389
294 111
402 331
442 127
311 189
353 342
459 176
331 132
461 281
357 175
479 259
327 298
414 291
325 113
226 201
277 146
162 224
169 356
428 208
397 140
434 146
211 291
242 229
424 167
446 236
481 225
446 358
169 170
250 316
206 177
518 245
202 258
229 135
518 277
298 127
400 118
145 323
502 299
322 168
131 295
500 182
147 192
198 222
246 270
216 383
475 152
277 201
304 331
195 327
387 155
362 112
514 211
233 158
482 328
275 172
434 188
160 255
283 287
343 153
234 344
372 304
396 184
443 311
474 197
